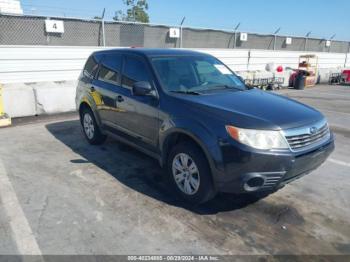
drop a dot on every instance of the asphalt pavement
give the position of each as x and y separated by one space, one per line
59 196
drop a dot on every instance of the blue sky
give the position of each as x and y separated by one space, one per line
323 17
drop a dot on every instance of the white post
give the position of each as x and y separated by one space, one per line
103 27
181 36
234 43
181 26
275 38
306 38
235 33
347 55
103 33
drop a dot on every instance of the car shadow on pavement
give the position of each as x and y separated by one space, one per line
138 171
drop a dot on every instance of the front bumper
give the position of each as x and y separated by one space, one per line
273 169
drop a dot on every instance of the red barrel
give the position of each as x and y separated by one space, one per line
346 75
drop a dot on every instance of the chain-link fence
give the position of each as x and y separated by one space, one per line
30 30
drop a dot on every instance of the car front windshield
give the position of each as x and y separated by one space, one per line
195 74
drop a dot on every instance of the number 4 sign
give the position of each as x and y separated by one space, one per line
54 26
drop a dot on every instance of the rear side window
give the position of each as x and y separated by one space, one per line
135 70
110 69
91 67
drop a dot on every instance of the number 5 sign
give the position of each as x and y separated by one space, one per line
174 33
54 26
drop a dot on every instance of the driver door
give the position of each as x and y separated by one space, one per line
141 116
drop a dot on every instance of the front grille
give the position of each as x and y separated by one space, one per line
306 138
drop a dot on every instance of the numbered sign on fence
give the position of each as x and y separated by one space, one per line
174 33
243 37
288 40
54 26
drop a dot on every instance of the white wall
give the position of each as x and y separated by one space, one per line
36 64
259 58
237 60
347 64
20 66
48 63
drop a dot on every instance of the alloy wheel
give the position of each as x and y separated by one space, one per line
89 127
186 174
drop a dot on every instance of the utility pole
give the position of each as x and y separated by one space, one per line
275 37
181 25
235 34
306 38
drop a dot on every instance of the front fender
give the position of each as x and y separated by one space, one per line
198 132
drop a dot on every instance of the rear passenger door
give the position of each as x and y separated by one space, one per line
106 87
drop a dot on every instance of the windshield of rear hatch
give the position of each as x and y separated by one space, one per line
195 74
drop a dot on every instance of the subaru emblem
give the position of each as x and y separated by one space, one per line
313 130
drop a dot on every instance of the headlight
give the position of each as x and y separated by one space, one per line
260 139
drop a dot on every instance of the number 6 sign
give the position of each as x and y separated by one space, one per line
54 26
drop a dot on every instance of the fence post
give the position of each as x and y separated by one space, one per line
103 27
248 62
181 27
305 44
235 34
103 33
234 43
346 55
275 38
181 36
306 38
47 34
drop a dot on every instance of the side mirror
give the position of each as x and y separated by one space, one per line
142 89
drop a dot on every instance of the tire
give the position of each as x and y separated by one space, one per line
196 169
90 128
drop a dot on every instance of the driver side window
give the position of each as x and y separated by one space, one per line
135 70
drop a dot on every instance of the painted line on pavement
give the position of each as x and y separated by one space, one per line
338 162
21 232
336 112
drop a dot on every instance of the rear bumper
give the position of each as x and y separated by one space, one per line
259 171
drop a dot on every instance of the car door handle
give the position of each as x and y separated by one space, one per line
120 99
92 89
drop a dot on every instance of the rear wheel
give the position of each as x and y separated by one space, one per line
91 130
189 173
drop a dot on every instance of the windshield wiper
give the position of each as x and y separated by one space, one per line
185 92
229 87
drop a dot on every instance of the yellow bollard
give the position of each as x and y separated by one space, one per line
5 120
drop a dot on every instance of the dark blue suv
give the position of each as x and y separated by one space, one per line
198 119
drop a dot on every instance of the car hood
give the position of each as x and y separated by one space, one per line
254 109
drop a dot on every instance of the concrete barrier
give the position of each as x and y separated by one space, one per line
19 100
55 97
39 98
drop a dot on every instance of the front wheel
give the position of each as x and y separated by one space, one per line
189 173
90 128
